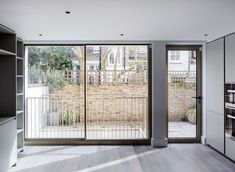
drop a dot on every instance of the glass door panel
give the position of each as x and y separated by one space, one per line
117 92
183 93
54 92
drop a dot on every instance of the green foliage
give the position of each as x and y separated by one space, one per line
183 84
58 58
69 117
54 79
35 75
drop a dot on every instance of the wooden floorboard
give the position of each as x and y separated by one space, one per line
174 158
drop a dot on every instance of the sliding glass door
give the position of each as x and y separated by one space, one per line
184 92
117 92
89 92
55 92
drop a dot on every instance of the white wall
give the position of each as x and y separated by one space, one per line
182 64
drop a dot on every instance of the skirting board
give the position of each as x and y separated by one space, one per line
203 140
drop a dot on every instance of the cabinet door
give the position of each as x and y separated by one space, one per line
215 130
230 148
8 152
230 59
215 76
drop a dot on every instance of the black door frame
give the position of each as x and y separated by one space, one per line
84 141
198 49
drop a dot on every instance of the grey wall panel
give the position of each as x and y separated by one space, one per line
215 76
215 130
230 59
159 94
230 148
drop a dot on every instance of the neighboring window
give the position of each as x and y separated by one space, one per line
96 50
193 57
111 58
175 56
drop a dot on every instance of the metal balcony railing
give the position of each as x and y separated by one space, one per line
108 117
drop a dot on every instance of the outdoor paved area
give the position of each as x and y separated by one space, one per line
108 130
176 130
181 129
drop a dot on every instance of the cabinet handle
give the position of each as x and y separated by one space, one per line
231 108
230 116
198 97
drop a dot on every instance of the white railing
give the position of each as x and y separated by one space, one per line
107 76
108 117
96 77
182 77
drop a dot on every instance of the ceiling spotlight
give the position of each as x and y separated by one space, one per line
206 34
67 12
40 34
121 34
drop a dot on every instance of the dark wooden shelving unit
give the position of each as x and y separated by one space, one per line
20 95
8 125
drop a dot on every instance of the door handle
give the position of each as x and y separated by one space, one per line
198 97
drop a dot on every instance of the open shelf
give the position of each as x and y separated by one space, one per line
20 149
19 112
20 140
5 119
19 131
8 86
8 43
20 69
4 52
20 120
20 103
20 85
19 48
19 58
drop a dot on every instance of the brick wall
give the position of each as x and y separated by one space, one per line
179 102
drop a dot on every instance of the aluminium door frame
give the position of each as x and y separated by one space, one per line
84 141
198 49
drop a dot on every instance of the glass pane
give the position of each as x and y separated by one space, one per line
181 90
117 92
55 92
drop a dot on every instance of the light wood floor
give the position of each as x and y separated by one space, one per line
175 158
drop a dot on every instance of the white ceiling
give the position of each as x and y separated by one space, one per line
106 19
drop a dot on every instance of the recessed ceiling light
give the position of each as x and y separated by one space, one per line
206 34
67 12
121 34
40 34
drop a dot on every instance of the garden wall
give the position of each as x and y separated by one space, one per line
179 102
118 102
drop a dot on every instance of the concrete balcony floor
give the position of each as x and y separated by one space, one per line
181 130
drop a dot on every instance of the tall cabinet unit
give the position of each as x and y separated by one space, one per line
8 136
20 95
230 99
215 94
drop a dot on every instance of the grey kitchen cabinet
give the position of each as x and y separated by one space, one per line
215 130
8 148
230 59
230 148
215 76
